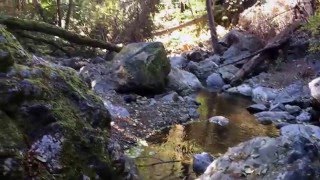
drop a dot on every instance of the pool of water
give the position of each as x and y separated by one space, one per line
169 153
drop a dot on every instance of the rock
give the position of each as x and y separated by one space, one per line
219 120
296 93
197 55
6 60
99 77
268 117
306 131
277 107
255 108
141 67
293 155
215 82
178 62
171 97
66 126
304 116
228 72
201 162
202 69
183 82
130 98
215 59
243 89
314 87
241 44
74 62
263 94
292 109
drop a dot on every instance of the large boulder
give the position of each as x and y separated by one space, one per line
202 69
51 124
215 82
141 67
268 117
241 44
263 94
183 82
294 155
314 87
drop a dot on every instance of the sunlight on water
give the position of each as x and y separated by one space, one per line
179 143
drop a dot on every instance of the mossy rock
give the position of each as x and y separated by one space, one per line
142 67
52 126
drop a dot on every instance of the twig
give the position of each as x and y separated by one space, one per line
163 162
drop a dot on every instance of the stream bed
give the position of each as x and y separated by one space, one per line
168 154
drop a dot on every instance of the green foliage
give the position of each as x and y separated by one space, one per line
313 26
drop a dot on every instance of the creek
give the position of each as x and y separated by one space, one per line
180 142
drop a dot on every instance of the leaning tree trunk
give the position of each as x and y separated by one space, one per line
70 7
29 25
59 13
214 38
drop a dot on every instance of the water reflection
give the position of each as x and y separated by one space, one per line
181 142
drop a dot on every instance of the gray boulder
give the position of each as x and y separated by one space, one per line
201 162
296 93
292 109
243 89
304 116
219 120
141 66
178 62
268 117
202 69
263 94
255 108
314 87
241 44
183 82
228 72
215 82
293 155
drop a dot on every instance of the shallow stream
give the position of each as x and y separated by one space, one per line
169 153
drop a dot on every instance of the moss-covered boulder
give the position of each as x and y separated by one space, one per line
51 125
141 67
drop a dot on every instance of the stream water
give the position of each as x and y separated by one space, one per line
181 142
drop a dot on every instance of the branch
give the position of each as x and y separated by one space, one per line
157 163
183 25
29 25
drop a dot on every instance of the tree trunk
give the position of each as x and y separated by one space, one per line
29 25
59 14
70 7
40 10
214 38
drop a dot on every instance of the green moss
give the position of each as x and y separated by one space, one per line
9 44
10 135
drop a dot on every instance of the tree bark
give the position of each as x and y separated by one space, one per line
70 7
59 14
29 25
40 10
213 33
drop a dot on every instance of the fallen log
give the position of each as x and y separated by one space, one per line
180 26
278 42
30 25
